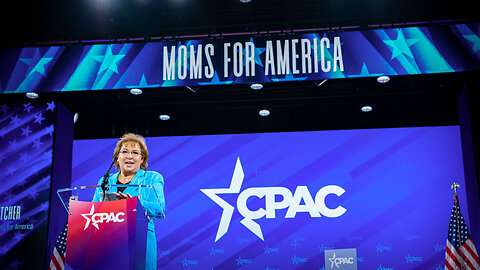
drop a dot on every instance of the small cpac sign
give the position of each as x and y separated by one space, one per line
95 218
341 259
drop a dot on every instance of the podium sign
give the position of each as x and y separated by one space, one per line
106 235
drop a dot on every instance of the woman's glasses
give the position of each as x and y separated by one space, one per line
134 153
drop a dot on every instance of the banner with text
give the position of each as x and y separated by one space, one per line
242 59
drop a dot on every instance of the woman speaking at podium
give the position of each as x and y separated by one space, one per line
131 156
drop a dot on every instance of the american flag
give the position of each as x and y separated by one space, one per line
460 252
58 257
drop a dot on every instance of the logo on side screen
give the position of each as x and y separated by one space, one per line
315 208
96 218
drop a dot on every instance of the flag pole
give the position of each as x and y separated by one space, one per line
454 186
461 252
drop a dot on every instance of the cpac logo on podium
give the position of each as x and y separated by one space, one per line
101 218
316 208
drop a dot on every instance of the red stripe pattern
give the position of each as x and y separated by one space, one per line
461 252
58 257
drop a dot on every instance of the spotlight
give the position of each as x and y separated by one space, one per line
164 117
264 112
256 86
383 79
245 1
136 91
366 108
31 95
75 117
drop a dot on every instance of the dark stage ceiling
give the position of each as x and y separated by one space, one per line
54 20
415 100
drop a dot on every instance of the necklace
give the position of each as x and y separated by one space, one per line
125 179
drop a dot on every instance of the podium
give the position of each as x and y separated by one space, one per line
110 234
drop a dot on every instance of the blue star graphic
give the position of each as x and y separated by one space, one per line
27 107
15 264
4 108
365 73
109 60
13 143
11 170
476 42
14 120
26 131
258 52
33 194
36 63
49 130
37 143
51 106
401 45
24 156
38 119
143 84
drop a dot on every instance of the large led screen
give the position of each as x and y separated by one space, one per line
279 200
26 147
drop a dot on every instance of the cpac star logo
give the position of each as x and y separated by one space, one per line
339 261
332 260
101 217
227 214
291 201
85 216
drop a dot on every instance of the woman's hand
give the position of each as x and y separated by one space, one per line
121 195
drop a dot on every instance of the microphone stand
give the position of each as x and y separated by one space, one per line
105 178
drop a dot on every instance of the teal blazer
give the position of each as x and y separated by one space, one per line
148 201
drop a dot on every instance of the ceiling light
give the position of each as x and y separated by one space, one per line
264 112
319 83
75 117
164 117
136 91
245 1
366 108
193 89
256 86
31 95
383 79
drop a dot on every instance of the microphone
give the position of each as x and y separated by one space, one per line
106 176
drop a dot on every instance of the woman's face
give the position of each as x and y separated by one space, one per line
130 157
